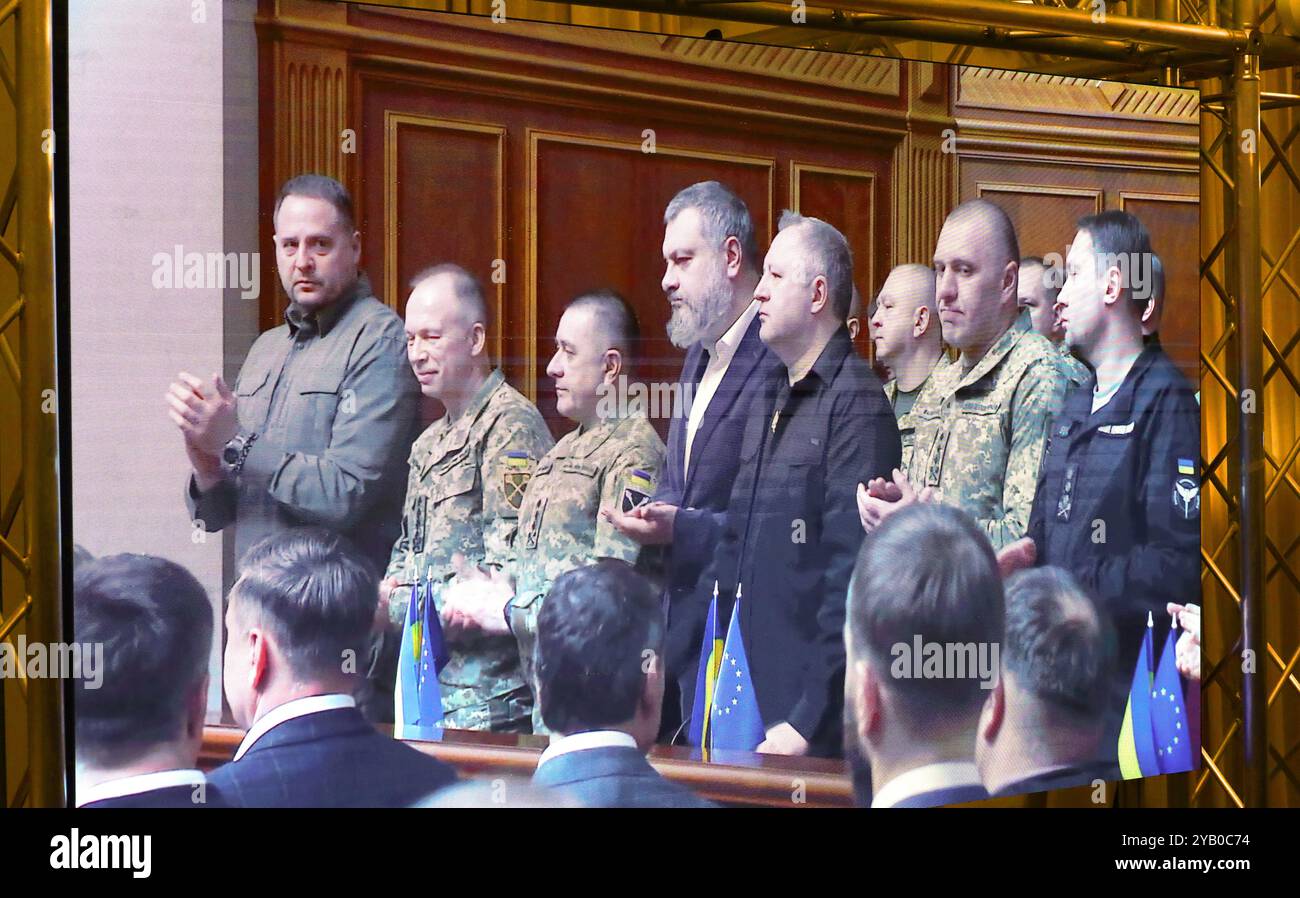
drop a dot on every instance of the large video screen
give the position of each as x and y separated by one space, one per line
508 383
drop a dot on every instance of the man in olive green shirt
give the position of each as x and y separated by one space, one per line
1038 292
907 338
468 472
981 420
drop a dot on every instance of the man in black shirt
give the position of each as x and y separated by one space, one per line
821 426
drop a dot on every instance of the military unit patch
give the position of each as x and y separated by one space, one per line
1187 492
637 489
518 471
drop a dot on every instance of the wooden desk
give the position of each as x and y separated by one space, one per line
741 778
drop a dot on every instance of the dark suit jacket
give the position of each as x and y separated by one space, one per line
792 534
955 795
171 797
614 777
702 493
330 759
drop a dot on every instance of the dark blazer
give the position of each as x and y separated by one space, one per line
614 777
171 797
792 534
702 493
937 797
330 759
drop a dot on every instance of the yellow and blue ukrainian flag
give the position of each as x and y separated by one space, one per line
725 716
422 657
1156 736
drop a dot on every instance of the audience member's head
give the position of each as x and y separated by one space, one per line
711 262
298 621
599 659
806 288
142 707
905 321
596 341
1058 658
317 244
1039 287
1108 284
976 260
925 616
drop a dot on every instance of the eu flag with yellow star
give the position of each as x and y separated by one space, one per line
1156 735
735 723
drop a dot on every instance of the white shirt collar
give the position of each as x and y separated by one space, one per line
584 741
928 778
142 782
729 342
299 707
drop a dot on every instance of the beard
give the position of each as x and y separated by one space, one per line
691 322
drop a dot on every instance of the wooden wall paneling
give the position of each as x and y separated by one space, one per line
1044 215
445 201
847 199
1174 221
595 219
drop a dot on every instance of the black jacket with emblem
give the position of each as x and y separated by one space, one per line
1118 498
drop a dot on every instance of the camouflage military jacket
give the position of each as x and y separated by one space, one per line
465 488
560 527
906 423
979 435
1075 371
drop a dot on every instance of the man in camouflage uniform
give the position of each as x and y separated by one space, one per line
611 459
1039 289
982 420
905 334
468 472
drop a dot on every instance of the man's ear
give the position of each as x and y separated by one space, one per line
921 321
613 365
259 658
734 256
196 709
820 295
478 338
994 713
356 247
869 704
1114 288
1011 282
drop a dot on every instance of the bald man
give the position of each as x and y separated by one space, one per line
1038 293
468 472
906 334
982 420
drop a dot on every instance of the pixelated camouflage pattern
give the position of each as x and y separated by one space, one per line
1075 371
560 527
906 423
980 435
456 502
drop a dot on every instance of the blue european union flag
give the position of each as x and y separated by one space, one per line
422 656
735 723
1169 725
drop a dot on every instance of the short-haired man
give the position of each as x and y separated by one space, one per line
600 685
1039 288
140 716
321 418
982 419
1042 725
1118 502
853 321
297 620
791 533
612 459
915 729
468 471
908 340
711 267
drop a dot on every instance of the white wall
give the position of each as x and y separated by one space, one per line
146 167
